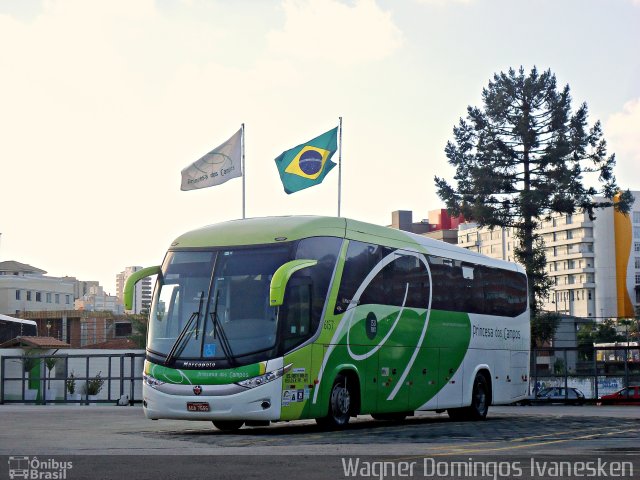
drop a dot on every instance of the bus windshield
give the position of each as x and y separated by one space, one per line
213 305
199 315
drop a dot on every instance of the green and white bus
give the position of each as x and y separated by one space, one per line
286 318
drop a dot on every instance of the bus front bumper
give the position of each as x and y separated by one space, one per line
223 402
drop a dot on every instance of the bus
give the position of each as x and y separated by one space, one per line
11 328
283 318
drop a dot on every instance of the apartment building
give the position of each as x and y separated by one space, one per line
96 300
142 292
23 287
594 265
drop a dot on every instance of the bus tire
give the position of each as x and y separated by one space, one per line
340 404
480 399
228 425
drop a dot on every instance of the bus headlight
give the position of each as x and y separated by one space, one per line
151 382
262 379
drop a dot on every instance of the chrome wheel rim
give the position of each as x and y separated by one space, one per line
341 401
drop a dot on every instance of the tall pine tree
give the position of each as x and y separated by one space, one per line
523 156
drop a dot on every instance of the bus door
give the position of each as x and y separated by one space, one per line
501 381
393 389
423 378
297 326
519 373
450 395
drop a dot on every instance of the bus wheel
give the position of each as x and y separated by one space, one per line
339 404
479 402
228 425
479 399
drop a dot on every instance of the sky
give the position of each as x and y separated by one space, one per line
102 104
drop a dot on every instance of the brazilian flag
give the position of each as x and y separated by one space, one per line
307 164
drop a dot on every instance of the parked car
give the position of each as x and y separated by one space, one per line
550 395
626 396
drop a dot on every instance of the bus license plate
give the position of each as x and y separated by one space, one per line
197 406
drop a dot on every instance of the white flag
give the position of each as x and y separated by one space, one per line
219 165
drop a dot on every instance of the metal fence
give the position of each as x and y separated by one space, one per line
595 371
72 378
95 378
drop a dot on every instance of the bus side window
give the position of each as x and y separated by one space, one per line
410 277
477 293
297 325
325 250
361 258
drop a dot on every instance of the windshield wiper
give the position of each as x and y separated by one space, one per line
219 330
179 344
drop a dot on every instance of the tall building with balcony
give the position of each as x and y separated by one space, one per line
594 265
142 290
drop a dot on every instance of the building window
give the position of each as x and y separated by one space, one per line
123 329
636 232
38 296
569 234
589 294
48 298
637 278
569 219
57 298
636 247
67 299
637 262
28 295
17 294
636 217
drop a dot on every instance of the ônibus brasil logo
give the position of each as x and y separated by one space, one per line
33 468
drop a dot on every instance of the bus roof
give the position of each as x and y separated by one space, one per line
7 318
263 230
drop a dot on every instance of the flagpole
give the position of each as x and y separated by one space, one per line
339 163
244 174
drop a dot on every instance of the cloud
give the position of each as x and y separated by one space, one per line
442 3
330 31
105 102
622 130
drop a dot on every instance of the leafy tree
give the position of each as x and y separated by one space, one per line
604 332
543 328
139 324
523 156
631 327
